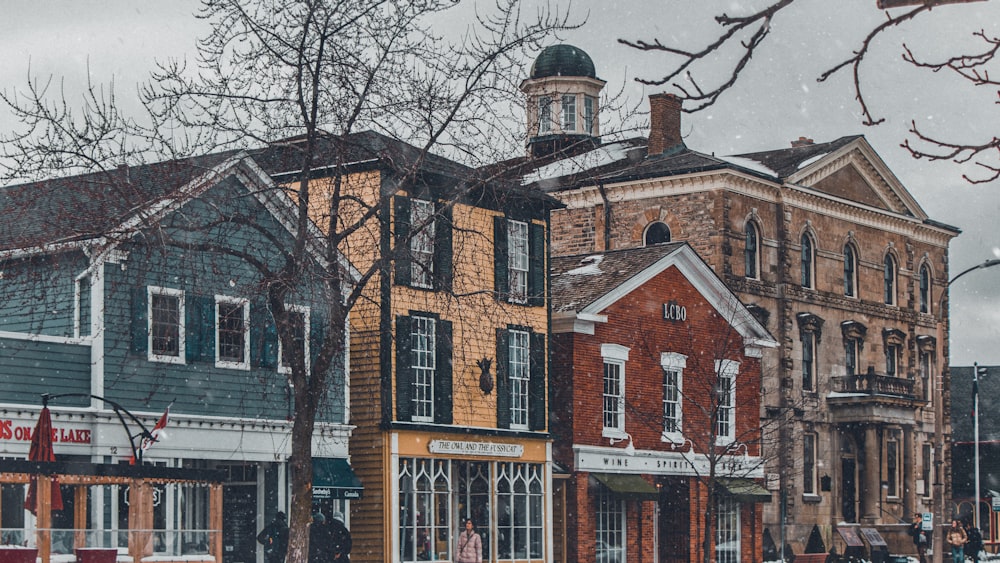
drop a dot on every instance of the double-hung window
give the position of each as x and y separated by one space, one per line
519 370
809 463
751 251
422 243
725 427
892 360
808 261
927 373
889 280
673 365
423 347
615 357
232 332
166 325
589 114
544 115
517 260
808 361
850 271
851 353
569 113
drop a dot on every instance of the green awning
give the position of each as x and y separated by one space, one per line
627 485
334 478
744 490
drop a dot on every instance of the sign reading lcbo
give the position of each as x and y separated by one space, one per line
8 431
674 312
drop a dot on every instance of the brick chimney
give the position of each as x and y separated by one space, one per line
664 122
802 142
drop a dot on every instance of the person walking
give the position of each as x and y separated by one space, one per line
957 539
320 539
975 544
470 545
274 538
340 539
919 537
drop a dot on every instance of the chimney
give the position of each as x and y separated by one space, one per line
664 122
802 142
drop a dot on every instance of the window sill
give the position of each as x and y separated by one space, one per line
812 499
614 433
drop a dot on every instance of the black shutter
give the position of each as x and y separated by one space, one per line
501 283
140 322
199 328
263 337
404 369
442 373
317 333
503 380
536 265
536 383
402 247
443 249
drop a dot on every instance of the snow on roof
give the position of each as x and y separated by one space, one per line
749 164
811 160
601 156
591 267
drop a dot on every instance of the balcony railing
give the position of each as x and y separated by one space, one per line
872 383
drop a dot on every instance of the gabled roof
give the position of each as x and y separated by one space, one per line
102 209
584 286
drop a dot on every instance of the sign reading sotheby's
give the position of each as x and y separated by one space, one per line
495 449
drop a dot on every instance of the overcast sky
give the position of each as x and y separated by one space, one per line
778 100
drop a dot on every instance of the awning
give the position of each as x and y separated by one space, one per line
744 490
627 485
334 478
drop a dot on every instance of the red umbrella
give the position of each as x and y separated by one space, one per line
41 450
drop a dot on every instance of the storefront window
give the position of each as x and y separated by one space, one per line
519 511
424 498
610 528
727 541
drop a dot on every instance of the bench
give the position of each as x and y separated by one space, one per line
811 557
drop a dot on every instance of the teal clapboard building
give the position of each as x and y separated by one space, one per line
141 286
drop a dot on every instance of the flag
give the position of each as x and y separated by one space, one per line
157 433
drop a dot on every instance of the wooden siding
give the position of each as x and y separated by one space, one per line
29 368
36 295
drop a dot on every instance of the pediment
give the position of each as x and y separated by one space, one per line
856 173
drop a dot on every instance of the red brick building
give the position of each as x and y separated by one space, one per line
656 392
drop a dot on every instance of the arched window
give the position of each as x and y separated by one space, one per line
808 260
850 271
889 280
656 233
752 251
925 289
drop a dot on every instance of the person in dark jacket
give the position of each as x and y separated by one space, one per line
341 539
920 538
320 540
274 538
975 543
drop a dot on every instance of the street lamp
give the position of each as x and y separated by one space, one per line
976 373
938 536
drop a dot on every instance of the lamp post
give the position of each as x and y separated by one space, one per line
938 536
975 434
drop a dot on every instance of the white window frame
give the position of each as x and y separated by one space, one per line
152 291
614 356
589 114
544 115
675 363
725 430
422 224
424 366
568 121
518 260
244 304
519 372
304 310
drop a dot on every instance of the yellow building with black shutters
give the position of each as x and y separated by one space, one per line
448 358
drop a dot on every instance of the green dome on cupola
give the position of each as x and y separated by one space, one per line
563 60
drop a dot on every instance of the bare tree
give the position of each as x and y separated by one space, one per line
310 73
745 34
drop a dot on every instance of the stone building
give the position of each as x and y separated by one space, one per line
836 259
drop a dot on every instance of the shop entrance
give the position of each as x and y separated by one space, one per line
239 504
674 518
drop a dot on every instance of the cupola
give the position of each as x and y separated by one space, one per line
562 95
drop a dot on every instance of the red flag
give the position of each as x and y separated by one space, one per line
157 432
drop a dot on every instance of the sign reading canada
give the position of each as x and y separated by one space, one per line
22 433
494 449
